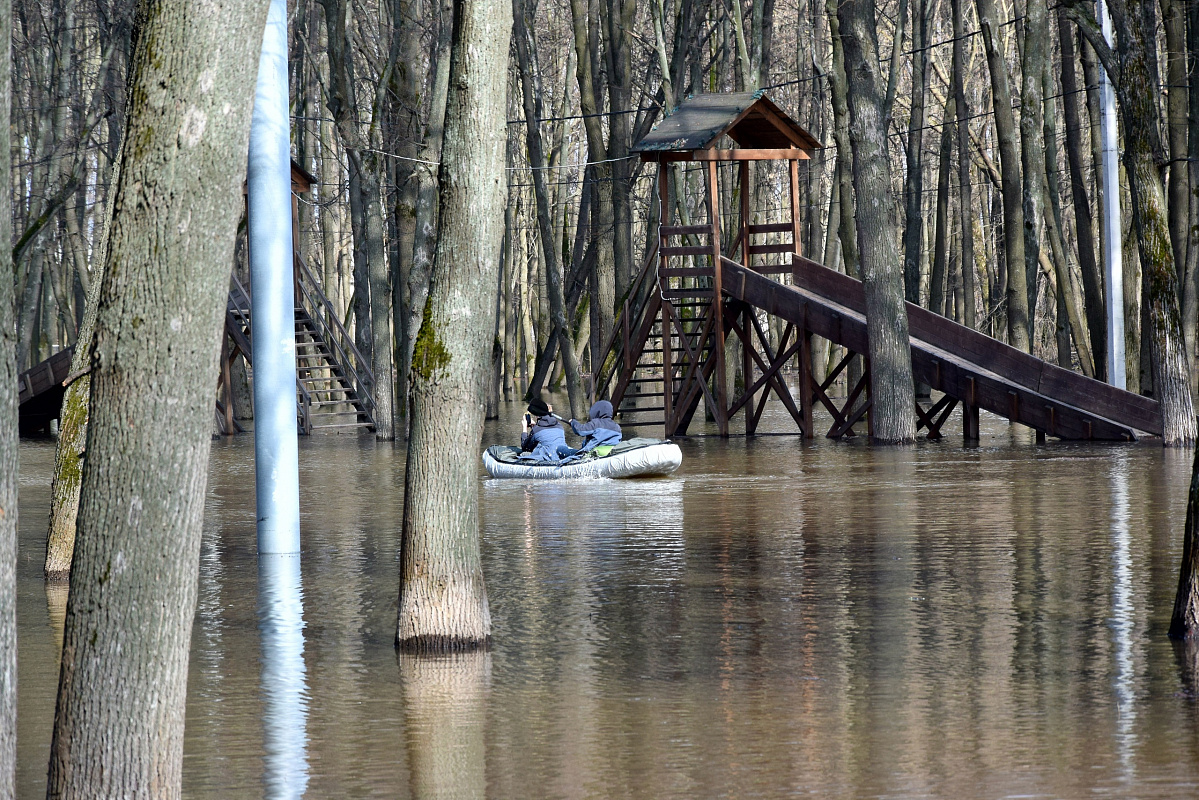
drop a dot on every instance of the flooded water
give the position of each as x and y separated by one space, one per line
779 618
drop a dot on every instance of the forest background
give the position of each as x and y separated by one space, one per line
587 79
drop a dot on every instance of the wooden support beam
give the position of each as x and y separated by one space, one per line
740 154
721 404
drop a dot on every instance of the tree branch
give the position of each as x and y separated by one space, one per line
1081 15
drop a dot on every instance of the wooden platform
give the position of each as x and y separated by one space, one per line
969 367
40 391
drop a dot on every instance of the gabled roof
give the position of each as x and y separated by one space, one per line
748 118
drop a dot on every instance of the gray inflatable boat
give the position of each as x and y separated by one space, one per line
634 458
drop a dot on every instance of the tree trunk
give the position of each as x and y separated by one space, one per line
936 284
1134 63
1190 267
443 602
9 455
1176 125
1013 212
965 190
1067 290
893 413
118 728
531 95
425 236
72 421
1092 278
1184 621
843 175
913 193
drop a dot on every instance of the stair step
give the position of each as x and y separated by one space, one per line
344 425
645 410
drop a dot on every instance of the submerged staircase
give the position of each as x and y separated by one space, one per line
334 383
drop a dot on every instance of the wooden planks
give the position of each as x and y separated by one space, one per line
974 369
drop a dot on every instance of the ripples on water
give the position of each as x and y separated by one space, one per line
778 618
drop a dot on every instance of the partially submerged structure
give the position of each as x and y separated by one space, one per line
693 293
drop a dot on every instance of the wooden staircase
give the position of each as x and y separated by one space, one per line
334 383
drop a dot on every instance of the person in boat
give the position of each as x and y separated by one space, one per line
600 431
543 436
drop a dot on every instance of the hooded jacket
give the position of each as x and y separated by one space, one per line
543 439
602 429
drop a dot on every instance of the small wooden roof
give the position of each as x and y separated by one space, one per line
301 179
748 118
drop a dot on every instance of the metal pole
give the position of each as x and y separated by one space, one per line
1112 256
276 450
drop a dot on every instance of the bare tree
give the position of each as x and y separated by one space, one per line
9 461
893 414
118 727
443 602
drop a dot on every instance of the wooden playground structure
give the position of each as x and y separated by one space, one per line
691 295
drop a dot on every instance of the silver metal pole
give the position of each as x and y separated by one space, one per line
276 450
1112 255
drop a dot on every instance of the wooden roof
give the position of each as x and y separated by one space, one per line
748 118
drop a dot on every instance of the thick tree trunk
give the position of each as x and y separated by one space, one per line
443 602
425 236
1013 212
1092 279
893 413
9 459
118 727
1134 62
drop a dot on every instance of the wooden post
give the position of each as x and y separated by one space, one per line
747 368
667 366
743 179
970 413
805 376
796 240
717 308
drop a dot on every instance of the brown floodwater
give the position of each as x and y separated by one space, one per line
779 618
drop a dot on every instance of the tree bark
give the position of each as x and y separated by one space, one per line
72 421
1092 279
893 413
1013 212
913 230
531 96
1069 301
837 86
443 602
1176 126
936 286
1134 65
1184 621
118 727
9 455
1032 141
425 237
965 190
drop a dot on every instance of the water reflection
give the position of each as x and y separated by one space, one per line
778 618
284 683
445 712
1123 619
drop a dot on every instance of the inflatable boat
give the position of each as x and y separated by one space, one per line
635 458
